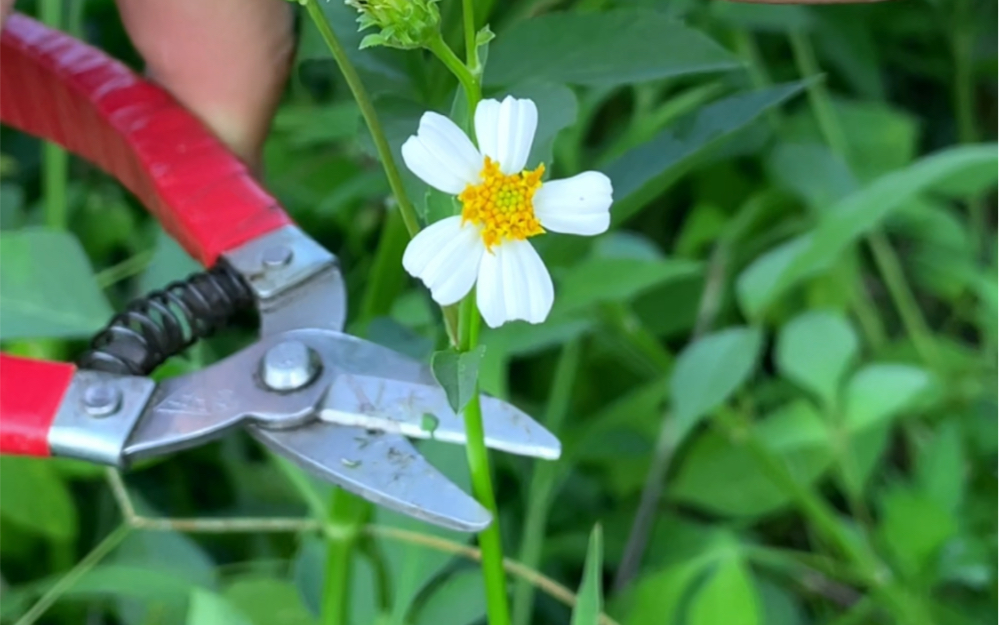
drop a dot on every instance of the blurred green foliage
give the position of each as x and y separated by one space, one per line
773 378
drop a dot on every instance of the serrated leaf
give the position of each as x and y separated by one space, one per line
47 287
709 370
589 599
815 349
457 373
607 48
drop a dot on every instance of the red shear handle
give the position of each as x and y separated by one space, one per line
65 91
30 394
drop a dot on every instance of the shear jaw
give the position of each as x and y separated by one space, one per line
341 408
297 281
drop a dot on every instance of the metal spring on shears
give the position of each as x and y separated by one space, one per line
166 322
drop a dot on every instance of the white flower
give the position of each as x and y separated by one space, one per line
502 205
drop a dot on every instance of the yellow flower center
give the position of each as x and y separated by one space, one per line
502 205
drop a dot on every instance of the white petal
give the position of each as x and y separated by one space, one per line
441 155
577 205
514 284
505 131
445 256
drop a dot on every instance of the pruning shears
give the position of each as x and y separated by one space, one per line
341 407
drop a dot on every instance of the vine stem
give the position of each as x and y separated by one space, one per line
69 580
369 114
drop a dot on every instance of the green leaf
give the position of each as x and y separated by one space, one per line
727 598
589 599
709 370
459 600
207 608
657 598
764 17
608 48
596 280
34 497
880 392
874 397
721 476
941 469
914 527
815 349
812 172
879 138
268 601
457 373
47 287
968 168
645 171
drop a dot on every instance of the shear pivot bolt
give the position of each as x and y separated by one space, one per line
276 256
101 400
289 366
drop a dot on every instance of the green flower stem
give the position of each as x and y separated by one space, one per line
55 160
368 113
885 257
471 50
468 80
543 481
490 542
347 517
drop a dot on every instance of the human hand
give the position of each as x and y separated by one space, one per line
225 60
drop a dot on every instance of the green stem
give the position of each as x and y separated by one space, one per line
385 277
885 258
67 581
368 113
470 84
905 302
814 507
471 50
543 481
347 516
490 542
55 160
818 95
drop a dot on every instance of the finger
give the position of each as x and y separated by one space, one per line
226 60
5 7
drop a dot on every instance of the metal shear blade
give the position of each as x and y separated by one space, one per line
383 468
379 389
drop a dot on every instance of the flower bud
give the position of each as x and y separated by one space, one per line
404 24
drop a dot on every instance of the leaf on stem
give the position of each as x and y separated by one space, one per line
457 373
589 600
